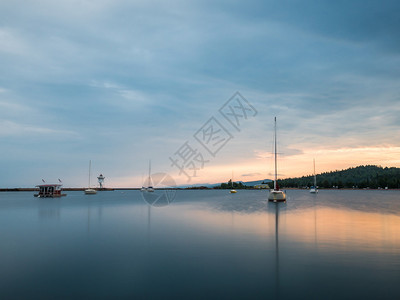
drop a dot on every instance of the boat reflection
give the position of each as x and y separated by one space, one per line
49 208
313 225
277 206
91 215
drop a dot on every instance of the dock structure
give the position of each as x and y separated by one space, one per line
49 190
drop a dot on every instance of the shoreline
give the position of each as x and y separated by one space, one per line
36 189
134 189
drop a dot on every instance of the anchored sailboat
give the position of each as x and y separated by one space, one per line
90 191
142 188
276 194
314 189
150 185
232 191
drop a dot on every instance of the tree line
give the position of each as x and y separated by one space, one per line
368 176
234 185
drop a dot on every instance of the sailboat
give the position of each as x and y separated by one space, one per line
90 191
275 194
314 189
142 188
232 191
150 186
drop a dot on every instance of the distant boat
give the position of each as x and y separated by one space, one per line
232 191
150 184
314 188
276 195
142 188
90 191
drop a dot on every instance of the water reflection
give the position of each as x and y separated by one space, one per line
277 276
206 244
148 222
48 208
313 221
94 218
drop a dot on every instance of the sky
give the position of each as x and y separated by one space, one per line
123 82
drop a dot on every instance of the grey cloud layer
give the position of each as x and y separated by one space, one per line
123 71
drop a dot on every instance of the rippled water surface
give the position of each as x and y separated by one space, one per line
205 245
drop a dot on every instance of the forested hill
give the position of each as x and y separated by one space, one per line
358 177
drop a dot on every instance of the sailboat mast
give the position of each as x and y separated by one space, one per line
276 166
150 173
90 166
315 177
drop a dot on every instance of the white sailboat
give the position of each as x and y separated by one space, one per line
90 191
150 184
142 188
276 195
232 191
314 188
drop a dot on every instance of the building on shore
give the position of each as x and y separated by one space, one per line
262 186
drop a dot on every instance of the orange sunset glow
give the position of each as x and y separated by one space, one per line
261 166
309 225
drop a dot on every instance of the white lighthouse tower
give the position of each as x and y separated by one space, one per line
101 180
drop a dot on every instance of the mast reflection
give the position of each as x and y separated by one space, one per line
90 217
148 223
278 206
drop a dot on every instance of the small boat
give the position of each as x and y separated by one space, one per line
142 189
90 191
276 195
232 191
150 185
49 191
314 189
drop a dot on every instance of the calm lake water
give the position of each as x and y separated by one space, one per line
205 245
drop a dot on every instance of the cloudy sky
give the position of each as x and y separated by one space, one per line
120 82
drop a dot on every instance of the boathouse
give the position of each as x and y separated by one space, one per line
49 190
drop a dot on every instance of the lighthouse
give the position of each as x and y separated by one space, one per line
101 180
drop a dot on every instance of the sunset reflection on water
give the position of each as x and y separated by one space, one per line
206 244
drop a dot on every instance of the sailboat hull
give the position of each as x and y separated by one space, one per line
276 196
90 192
